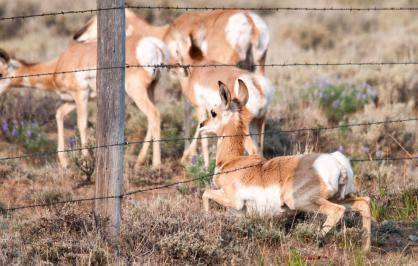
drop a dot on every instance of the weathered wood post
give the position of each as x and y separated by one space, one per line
110 110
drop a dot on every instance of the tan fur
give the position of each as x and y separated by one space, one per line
139 86
213 24
208 26
139 26
208 78
300 185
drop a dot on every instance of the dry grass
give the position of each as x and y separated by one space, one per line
168 227
173 230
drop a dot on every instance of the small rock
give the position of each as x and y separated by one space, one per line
413 238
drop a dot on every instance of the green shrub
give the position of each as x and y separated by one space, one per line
198 171
338 100
27 134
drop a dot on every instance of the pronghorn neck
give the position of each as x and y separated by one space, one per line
232 145
30 71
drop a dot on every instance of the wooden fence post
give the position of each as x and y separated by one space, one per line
110 110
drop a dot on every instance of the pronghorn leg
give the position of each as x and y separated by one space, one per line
191 149
250 147
220 197
361 205
261 62
145 104
332 211
205 150
249 143
62 111
82 99
261 124
201 113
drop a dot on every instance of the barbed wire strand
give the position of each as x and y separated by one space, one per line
189 8
187 66
123 195
125 143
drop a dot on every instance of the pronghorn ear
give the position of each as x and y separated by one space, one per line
242 93
4 56
225 95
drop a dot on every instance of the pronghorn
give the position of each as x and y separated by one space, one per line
200 87
195 31
78 87
229 37
321 183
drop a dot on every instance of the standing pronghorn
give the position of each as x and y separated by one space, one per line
229 37
314 183
200 87
245 38
78 87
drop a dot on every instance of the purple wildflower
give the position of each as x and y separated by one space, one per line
323 83
34 124
72 142
194 159
365 149
14 132
5 126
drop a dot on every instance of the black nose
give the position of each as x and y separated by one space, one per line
202 124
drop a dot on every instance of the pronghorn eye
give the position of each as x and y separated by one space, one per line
213 114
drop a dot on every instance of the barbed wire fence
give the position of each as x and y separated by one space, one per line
187 66
190 8
125 195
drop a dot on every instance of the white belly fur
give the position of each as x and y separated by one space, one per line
260 200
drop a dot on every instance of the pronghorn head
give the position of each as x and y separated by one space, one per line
7 68
229 112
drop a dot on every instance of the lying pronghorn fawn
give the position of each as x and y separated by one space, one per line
200 87
76 88
320 183
229 37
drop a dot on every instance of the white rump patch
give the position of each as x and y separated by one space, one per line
260 200
329 166
264 36
238 34
345 162
86 79
151 51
